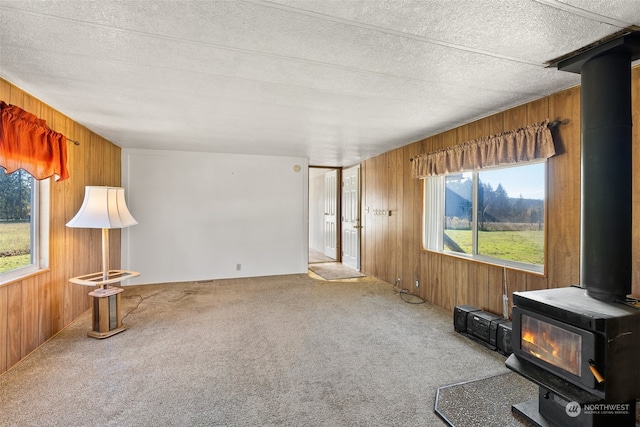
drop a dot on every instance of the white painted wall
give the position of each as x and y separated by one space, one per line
202 214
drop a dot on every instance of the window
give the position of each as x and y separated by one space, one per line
24 206
494 215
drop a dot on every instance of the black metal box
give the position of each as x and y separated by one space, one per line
503 338
479 324
460 314
493 331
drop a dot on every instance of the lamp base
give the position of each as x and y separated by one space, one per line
102 335
106 313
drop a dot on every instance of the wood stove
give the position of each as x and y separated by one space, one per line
580 351
581 344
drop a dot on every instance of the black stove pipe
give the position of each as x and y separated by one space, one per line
606 174
605 247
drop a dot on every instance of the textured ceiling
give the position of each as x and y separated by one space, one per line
337 81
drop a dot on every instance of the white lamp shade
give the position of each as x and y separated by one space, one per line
103 207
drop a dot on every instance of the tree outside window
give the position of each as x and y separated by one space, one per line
17 221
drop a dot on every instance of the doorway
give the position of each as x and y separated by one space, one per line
351 224
334 215
323 215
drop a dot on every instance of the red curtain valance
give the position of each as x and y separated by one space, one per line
26 142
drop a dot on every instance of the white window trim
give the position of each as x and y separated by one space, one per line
432 237
41 203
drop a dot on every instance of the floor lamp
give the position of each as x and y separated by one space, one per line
104 208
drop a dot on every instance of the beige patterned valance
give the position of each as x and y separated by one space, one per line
533 142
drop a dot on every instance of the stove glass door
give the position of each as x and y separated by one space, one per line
553 344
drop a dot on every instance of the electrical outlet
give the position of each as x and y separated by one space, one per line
238 267
417 283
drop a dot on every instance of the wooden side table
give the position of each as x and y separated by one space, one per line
107 319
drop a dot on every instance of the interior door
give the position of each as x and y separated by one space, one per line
331 214
351 217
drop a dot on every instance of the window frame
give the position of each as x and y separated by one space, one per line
432 240
39 229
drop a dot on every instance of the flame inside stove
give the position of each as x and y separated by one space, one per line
554 345
528 337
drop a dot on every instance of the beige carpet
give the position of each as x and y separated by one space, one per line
335 271
270 351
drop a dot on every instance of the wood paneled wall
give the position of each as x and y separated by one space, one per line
34 309
392 246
